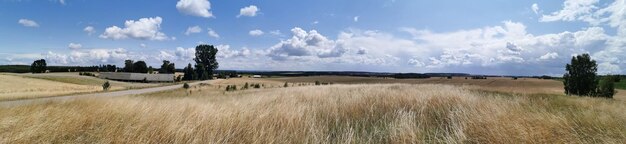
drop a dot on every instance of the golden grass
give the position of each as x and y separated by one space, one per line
374 113
16 87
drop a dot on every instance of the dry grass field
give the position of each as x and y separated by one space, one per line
24 86
360 113
497 84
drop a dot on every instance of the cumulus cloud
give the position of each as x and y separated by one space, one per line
142 29
28 23
89 57
573 10
224 51
75 46
212 33
535 8
142 45
305 43
89 30
256 32
193 29
200 8
356 19
249 11
549 56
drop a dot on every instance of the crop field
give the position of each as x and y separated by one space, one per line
359 113
24 86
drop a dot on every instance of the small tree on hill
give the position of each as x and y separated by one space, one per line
190 74
106 86
39 66
581 78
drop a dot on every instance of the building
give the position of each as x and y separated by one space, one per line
256 76
137 77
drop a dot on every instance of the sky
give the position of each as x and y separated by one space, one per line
501 37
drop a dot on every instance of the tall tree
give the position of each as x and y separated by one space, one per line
128 66
140 67
202 73
39 66
205 57
581 78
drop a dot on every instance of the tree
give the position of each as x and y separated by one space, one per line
205 57
39 66
186 86
150 70
286 85
106 86
128 66
140 67
581 78
246 86
202 73
607 87
167 67
190 74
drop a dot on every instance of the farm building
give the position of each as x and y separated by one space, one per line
138 77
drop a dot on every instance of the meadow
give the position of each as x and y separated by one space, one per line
338 113
25 86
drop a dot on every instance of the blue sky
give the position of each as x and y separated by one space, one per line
484 37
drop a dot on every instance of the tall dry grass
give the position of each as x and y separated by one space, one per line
389 113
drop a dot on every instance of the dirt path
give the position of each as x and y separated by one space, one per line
105 94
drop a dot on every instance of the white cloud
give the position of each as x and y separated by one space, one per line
185 54
549 56
276 33
75 46
356 19
573 10
142 45
535 8
249 11
315 22
200 8
142 29
212 33
256 32
193 29
28 23
89 57
89 30
225 52
303 44
62 2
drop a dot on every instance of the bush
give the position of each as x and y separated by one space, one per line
286 84
245 86
257 86
514 78
607 87
186 86
106 86
318 83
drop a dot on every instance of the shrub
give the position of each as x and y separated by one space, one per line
514 78
106 86
286 85
186 86
607 87
257 86
318 83
245 86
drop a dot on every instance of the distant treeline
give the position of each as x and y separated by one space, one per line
26 68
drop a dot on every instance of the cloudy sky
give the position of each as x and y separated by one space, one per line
522 37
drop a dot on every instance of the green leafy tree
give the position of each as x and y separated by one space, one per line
190 74
167 67
140 67
581 78
205 57
150 70
128 65
39 66
202 73
186 86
